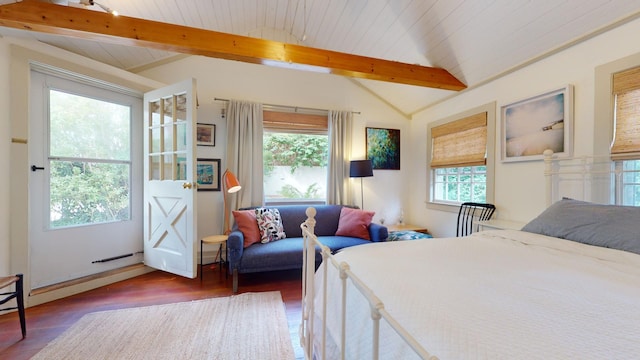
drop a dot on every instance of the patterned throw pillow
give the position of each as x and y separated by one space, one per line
270 225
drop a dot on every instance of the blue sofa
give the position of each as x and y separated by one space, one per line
286 254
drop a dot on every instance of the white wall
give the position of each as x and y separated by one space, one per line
5 146
225 79
520 186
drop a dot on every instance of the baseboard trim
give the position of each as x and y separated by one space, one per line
72 287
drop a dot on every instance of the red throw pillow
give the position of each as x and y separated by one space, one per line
354 223
248 225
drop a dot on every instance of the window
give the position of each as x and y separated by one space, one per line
459 168
625 150
460 184
295 156
90 160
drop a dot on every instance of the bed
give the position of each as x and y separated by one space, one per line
567 286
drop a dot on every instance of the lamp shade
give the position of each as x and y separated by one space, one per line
231 182
360 168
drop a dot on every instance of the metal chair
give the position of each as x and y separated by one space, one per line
470 210
16 294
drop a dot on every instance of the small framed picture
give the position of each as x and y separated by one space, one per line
533 125
206 134
208 174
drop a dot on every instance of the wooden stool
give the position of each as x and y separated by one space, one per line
18 295
212 239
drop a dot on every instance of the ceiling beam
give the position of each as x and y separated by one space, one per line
121 30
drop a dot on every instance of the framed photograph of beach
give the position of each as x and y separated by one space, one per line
533 125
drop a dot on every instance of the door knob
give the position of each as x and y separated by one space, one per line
187 185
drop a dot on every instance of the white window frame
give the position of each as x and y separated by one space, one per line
490 109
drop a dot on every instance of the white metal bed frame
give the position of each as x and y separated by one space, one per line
586 178
378 312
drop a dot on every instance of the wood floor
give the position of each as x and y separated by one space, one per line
45 322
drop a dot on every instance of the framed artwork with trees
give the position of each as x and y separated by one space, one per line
383 148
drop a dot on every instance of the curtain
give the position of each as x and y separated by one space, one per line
244 152
340 125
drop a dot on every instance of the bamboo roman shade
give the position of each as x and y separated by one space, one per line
295 122
626 141
460 143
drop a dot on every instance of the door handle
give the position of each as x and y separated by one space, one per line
34 168
187 185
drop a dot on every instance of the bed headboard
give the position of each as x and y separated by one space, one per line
588 178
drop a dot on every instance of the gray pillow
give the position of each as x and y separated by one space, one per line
611 226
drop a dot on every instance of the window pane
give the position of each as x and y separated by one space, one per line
295 167
470 185
182 169
480 178
479 192
155 140
631 183
168 138
452 192
439 191
88 193
88 128
168 167
181 136
154 164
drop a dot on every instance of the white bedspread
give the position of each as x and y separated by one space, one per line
495 295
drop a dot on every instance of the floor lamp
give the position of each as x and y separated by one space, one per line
231 185
360 168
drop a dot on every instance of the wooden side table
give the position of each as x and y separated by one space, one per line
212 239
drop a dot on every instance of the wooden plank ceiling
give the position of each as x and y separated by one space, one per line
129 31
474 40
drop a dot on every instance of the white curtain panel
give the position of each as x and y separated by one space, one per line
244 152
340 129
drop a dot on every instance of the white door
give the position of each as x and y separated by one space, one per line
85 187
169 179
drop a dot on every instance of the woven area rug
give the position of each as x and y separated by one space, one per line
245 326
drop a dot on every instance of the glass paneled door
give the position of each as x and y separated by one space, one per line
169 184
85 183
